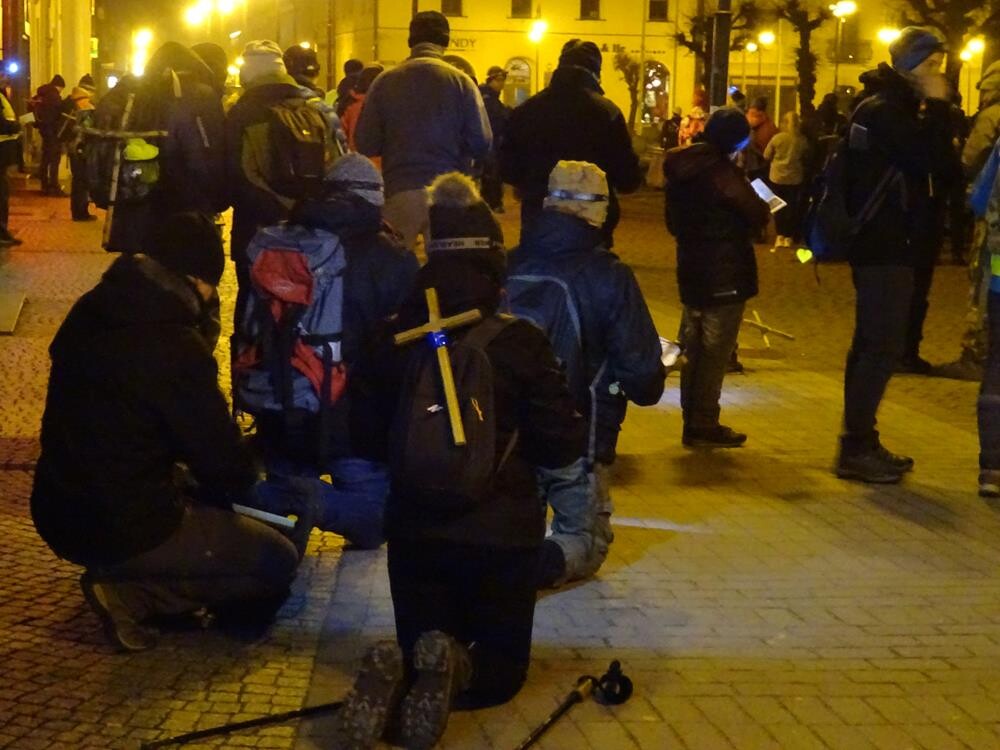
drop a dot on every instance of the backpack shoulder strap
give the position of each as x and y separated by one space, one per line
480 336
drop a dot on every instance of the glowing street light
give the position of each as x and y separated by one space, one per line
965 55
841 10
751 47
888 36
976 45
141 39
767 38
535 35
305 45
844 8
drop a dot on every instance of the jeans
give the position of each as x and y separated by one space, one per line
484 597
79 196
51 156
352 504
988 405
881 317
709 338
214 558
581 515
407 213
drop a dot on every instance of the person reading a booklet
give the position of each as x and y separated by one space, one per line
133 405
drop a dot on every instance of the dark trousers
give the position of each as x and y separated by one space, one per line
788 221
708 336
215 558
988 406
79 196
478 595
881 315
923 277
51 156
492 184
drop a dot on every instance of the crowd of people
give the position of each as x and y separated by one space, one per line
439 408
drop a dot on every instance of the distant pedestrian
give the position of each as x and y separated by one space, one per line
10 145
903 124
691 126
80 114
570 119
424 118
353 112
670 133
499 114
714 214
46 106
788 155
762 130
344 97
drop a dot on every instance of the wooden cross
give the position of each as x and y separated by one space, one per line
434 329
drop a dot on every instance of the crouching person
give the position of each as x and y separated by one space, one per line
464 524
565 280
301 371
132 396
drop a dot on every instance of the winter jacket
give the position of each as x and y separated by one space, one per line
497 112
424 118
789 156
986 125
46 105
713 212
133 391
10 133
889 129
255 204
352 113
571 119
530 396
620 343
380 274
762 129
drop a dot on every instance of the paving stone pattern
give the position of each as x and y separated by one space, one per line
756 601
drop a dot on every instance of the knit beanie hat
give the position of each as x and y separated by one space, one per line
301 61
429 26
580 54
459 219
355 173
87 82
727 128
189 244
914 45
579 188
58 80
215 58
495 71
261 58
353 67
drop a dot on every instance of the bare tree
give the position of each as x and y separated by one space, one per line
805 22
955 20
698 38
628 66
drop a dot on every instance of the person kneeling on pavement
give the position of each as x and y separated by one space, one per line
360 273
714 214
561 272
133 403
462 564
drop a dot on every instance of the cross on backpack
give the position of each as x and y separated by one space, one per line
286 350
423 457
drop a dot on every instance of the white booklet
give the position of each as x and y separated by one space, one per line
760 187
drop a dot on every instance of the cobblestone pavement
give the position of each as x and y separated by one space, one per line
756 601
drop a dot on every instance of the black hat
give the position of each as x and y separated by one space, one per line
495 72
429 26
58 80
87 80
216 59
353 66
581 54
727 128
189 244
301 61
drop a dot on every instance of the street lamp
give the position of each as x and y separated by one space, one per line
973 47
766 39
841 10
141 39
535 35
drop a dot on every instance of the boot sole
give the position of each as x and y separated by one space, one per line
695 443
371 704
425 709
887 478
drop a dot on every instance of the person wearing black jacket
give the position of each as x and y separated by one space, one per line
572 120
714 214
133 395
462 579
618 341
379 275
903 125
46 105
499 114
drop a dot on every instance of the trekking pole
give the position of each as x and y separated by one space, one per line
115 172
612 689
261 721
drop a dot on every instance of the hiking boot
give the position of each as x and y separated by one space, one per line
443 670
120 625
869 466
373 701
989 483
960 369
718 436
901 463
913 364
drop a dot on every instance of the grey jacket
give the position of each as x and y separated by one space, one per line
424 118
986 127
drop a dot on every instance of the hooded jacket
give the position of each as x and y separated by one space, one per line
986 126
424 118
713 212
620 342
571 119
132 392
888 128
530 396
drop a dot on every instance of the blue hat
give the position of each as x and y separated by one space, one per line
914 45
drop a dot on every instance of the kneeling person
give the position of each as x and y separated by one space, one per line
132 395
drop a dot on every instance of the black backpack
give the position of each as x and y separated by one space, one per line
423 458
297 136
